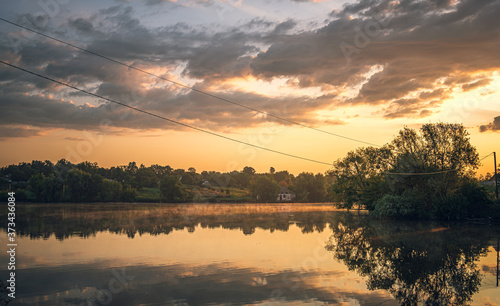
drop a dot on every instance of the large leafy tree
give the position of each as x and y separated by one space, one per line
441 147
145 177
310 187
358 176
432 163
284 178
172 190
264 188
111 191
82 186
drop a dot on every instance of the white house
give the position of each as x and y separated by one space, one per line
285 195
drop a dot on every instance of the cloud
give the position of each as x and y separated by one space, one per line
418 44
406 57
493 126
16 131
81 25
74 138
479 83
46 111
197 284
314 1
212 57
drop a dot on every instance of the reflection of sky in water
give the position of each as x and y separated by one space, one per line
206 266
216 261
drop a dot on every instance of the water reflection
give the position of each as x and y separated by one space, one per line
214 284
415 262
246 254
64 221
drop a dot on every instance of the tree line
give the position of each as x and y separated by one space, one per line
425 173
45 181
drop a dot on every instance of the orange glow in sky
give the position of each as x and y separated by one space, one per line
362 74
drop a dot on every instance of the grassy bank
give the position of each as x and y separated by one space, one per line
200 195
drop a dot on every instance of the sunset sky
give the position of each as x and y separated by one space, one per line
361 69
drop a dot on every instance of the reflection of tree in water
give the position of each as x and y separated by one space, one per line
64 221
4 299
416 264
415 261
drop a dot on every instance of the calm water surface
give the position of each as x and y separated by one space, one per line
247 254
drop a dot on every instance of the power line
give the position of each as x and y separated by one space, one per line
186 86
421 173
163 118
486 156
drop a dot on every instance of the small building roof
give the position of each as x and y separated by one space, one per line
284 190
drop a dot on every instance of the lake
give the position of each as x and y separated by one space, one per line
245 254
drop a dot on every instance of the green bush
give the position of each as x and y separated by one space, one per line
401 206
111 191
478 199
393 206
451 208
128 194
264 189
172 190
21 195
469 201
4 183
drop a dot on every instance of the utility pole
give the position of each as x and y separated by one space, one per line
496 176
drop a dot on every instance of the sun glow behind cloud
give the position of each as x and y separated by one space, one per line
280 59
277 87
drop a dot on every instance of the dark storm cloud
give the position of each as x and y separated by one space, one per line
493 126
405 56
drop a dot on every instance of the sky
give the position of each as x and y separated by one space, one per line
361 69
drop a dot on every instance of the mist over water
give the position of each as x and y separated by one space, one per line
79 254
